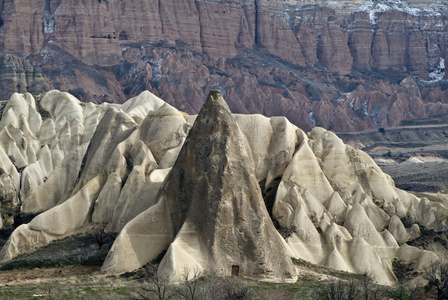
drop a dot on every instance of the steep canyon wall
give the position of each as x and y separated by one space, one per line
296 58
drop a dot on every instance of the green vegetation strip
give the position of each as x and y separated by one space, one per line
51 263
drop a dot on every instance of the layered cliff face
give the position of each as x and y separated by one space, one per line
18 74
301 59
189 189
94 31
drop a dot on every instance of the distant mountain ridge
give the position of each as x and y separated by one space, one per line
335 64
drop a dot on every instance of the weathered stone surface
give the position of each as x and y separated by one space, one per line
190 186
55 169
328 184
214 226
19 75
299 59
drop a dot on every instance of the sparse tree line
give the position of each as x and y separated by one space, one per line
193 287
436 287
211 287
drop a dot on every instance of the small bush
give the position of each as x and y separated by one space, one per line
402 270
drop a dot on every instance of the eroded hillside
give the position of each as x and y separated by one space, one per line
175 187
342 65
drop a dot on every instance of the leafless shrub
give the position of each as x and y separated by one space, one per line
155 285
211 287
402 292
234 290
340 290
99 238
365 285
437 276
189 288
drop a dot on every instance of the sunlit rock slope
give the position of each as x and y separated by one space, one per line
191 187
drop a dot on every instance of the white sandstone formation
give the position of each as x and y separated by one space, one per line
214 210
166 181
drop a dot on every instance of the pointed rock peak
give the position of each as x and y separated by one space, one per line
409 86
215 99
361 89
336 261
335 205
225 228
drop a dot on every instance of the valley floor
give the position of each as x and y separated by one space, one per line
414 154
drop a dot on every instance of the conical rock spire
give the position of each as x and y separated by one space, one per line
217 214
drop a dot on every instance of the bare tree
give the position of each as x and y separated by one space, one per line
156 285
366 281
339 290
378 293
437 276
189 289
212 286
352 290
99 238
